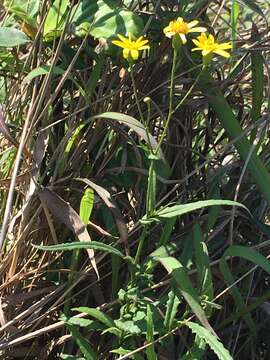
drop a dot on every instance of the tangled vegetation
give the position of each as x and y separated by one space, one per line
134 179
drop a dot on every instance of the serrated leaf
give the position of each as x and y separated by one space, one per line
211 340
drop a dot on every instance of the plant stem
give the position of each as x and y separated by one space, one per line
170 113
140 246
135 94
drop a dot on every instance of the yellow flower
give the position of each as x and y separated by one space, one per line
208 46
182 28
131 48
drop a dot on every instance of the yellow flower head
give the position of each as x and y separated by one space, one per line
208 46
182 28
131 48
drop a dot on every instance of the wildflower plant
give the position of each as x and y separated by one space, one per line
134 151
131 48
181 28
208 46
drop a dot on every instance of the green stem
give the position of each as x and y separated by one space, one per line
140 246
135 94
170 113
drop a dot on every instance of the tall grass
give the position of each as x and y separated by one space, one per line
134 196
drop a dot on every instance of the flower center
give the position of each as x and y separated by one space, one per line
132 45
210 45
179 27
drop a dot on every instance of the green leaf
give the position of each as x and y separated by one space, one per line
10 37
150 351
182 281
71 357
105 19
248 254
253 6
133 124
29 7
86 205
84 345
79 322
81 245
97 314
55 20
211 340
203 266
171 310
178 210
128 327
120 351
43 70
196 351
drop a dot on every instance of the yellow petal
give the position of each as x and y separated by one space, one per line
206 52
225 46
134 54
196 49
145 47
170 34
192 24
197 29
141 42
126 53
119 43
196 42
122 38
183 38
167 29
222 53
211 38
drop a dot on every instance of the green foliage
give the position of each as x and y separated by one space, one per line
163 162
10 37
211 340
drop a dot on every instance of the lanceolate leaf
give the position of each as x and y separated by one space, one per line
83 344
133 124
86 205
182 281
63 212
203 266
211 340
81 245
97 314
181 209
